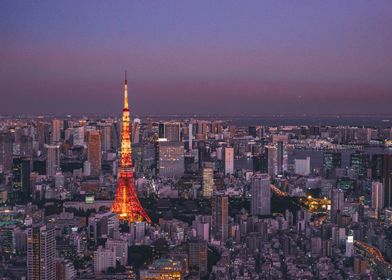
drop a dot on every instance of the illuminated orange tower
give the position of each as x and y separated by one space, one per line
126 203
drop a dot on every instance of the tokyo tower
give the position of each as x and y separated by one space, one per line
126 203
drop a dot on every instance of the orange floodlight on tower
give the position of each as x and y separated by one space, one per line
126 203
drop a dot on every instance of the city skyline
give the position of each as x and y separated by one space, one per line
221 57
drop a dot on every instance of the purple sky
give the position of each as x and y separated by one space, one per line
221 56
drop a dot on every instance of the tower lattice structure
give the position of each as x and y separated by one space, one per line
126 203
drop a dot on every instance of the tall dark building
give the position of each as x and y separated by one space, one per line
280 152
20 179
377 166
161 130
43 134
252 131
220 214
6 142
360 162
260 163
387 180
331 160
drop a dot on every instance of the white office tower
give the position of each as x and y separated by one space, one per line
349 244
261 194
78 136
41 253
272 160
103 259
53 159
302 166
377 196
229 160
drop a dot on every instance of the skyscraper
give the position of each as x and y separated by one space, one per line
331 161
78 136
57 125
171 159
53 159
272 159
220 215
261 194
6 150
337 203
41 253
126 203
94 154
43 134
387 179
377 196
280 156
190 136
21 179
229 160
197 255
172 131
360 163
208 179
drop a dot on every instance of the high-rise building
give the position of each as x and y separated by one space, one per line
136 131
280 157
78 136
360 163
161 130
337 203
261 194
171 159
229 160
220 217
190 136
106 139
57 126
126 203
331 161
172 132
53 159
41 253
6 143
349 244
208 179
377 196
272 159
197 255
387 179
43 135
377 166
21 179
94 154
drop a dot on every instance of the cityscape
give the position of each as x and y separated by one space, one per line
135 162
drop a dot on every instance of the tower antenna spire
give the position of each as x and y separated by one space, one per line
126 76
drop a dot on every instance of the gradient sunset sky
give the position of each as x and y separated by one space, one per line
218 56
